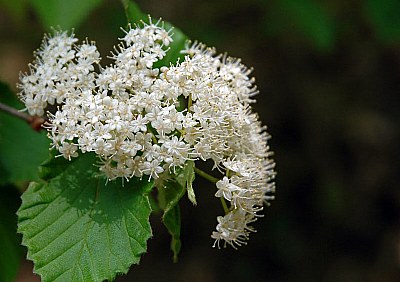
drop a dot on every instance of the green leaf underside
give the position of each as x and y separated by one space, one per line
77 227
168 198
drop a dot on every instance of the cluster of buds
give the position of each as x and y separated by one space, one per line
130 115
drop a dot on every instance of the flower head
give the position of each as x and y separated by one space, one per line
129 114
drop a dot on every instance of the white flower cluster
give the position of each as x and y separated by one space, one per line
61 70
130 114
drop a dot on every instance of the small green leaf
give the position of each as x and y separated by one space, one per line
168 198
21 148
64 14
189 176
78 227
172 220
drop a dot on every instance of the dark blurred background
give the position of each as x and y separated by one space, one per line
329 79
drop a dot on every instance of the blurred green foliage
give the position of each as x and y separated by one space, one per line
52 13
21 149
384 15
11 252
306 18
328 73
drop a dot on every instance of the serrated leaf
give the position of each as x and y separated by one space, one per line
64 14
21 148
78 227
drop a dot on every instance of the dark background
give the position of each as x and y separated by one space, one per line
328 75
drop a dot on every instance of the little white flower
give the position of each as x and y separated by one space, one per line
68 150
233 228
225 189
153 168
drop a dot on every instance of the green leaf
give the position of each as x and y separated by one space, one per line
9 241
385 17
64 14
172 220
53 166
78 227
21 148
189 176
168 198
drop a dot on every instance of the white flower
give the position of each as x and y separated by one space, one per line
153 168
233 228
68 150
59 72
225 189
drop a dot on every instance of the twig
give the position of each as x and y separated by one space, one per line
34 121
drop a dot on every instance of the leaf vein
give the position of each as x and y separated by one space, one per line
136 218
58 218
58 256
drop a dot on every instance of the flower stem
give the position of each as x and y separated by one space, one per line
34 121
224 205
206 175
213 180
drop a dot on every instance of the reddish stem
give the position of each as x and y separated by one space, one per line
34 121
